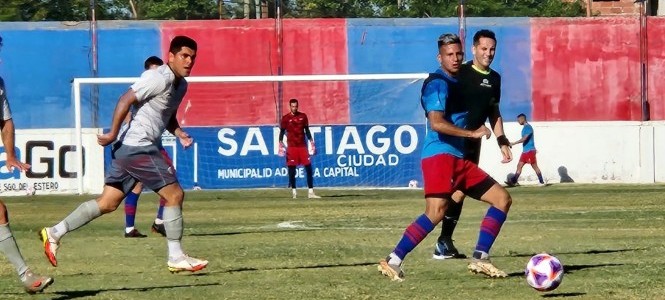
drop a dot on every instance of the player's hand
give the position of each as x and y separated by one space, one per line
282 150
185 139
482 131
507 154
312 148
105 139
13 163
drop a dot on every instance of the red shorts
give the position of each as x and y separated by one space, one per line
166 157
297 156
528 157
444 173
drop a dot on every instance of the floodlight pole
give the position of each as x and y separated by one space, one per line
644 75
93 53
278 34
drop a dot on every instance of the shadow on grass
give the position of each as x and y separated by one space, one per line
249 232
567 269
317 266
64 295
574 252
557 295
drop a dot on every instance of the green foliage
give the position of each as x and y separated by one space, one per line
78 10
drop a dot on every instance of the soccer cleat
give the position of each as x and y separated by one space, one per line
158 228
187 263
445 250
34 283
50 247
134 234
295 194
485 266
394 272
313 196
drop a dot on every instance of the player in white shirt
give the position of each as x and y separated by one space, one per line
136 156
31 282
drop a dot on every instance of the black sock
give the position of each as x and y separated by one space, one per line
292 177
310 178
449 221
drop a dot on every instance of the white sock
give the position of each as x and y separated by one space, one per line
394 260
159 221
57 231
129 229
175 250
311 191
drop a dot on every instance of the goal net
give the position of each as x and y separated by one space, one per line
368 128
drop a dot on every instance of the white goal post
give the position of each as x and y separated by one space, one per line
77 83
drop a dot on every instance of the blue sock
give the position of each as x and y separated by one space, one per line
413 235
160 210
131 200
540 177
489 229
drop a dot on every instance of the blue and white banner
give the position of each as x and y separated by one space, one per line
347 155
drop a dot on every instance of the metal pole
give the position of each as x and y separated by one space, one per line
462 23
278 32
93 40
644 77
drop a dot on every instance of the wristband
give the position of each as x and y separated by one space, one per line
503 141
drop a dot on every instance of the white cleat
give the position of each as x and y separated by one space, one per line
313 196
186 263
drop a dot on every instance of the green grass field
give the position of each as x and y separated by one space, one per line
263 245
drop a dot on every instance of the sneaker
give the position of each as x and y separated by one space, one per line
134 234
510 183
394 272
313 196
158 228
34 283
295 194
187 263
485 266
50 247
445 250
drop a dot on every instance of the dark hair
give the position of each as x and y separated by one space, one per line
181 41
293 100
483 33
521 115
152 61
448 39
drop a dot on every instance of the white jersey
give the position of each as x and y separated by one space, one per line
158 101
5 111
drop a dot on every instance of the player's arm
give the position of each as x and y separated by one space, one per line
8 139
522 140
173 126
496 122
119 114
434 100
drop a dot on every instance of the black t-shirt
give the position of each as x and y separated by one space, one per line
481 92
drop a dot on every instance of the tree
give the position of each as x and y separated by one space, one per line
60 10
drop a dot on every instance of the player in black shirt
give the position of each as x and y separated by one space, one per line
480 87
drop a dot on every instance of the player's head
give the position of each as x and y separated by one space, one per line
293 105
152 62
521 118
182 55
450 53
484 48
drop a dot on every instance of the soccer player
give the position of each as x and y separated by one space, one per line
136 156
296 126
132 198
32 282
445 169
480 89
528 152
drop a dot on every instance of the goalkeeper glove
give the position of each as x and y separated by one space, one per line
312 148
282 150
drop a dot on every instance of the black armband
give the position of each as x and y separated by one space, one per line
503 141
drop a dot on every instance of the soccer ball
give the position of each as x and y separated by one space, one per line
413 184
544 272
30 191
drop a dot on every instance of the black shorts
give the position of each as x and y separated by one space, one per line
146 164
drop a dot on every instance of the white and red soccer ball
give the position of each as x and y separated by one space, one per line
544 272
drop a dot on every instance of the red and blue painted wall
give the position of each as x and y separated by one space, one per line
553 69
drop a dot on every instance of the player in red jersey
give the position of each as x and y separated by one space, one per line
296 126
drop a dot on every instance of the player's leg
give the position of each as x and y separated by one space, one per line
518 172
131 202
437 176
445 248
292 161
534 165
32 282
481 186
158 224
309 173
109 201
